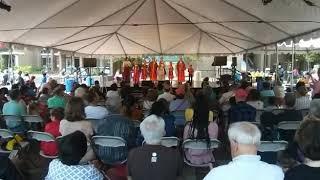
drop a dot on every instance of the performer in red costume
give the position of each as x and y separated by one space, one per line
126 68
191 71
161 71
136 73
144 70
181 67
153 66
170 74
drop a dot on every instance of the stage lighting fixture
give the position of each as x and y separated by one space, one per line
4 6
265 2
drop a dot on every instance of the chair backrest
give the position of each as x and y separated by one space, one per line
289 125
5 133
272 146
304 112
12 118
258 114
197 144
41 136
109 141
32 118
277 111
170 141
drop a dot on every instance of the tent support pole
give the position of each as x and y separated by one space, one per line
277 63
292 62
246 59
11 62
264 59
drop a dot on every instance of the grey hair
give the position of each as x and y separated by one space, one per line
152 129
315 108
244 133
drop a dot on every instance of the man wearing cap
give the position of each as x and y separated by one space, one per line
241 111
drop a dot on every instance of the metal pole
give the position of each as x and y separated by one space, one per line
277 63
264 60
11 62
292 62
246 59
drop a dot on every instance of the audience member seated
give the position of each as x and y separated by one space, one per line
290 113
50 148
3 99
8 170
74 120
308 139
153 161
72 149
279 91
167 93
113 101
14 107
82 93
51 84
241 111
303 100
205 82
182 101
161 109
244 140
44 96
225 97
266 93
314 111
117 125
253 99
58 100
150 99
200 128
93 111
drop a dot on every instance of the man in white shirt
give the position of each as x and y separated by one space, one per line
246 164
93 111
166 94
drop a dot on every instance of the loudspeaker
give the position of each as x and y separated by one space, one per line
234 61
220 61
147 83
89 62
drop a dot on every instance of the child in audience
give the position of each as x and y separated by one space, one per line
50 148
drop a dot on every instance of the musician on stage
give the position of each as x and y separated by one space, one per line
190 71
181 67
153 66
136 73
161 71
170 74
144 70
126 68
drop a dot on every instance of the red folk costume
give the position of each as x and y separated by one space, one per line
170 69
136 73
161 71
181 67
153 66
144 71
126 66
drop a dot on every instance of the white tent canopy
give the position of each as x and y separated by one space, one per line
116 27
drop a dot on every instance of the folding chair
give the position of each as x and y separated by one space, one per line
42 136
111 142
268 150
289 125
32 119
13 121
258 115
195 144
168 141
277 111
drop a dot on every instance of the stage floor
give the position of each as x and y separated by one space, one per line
195 84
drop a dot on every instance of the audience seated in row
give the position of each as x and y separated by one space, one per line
93 111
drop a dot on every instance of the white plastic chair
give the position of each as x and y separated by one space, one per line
42 136
272 146
111 142
200 145
289 125
168 141
32 119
